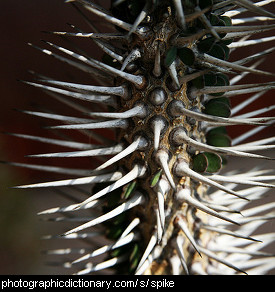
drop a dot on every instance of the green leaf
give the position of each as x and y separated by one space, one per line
134 252
214 162
217 108
134 257
206 45
187 56
226 50
224 100
214 19
129 189
210 79
217 130
227 20
217 51
218 140
222 80
170 56
156 178
207 162
198 82
200 163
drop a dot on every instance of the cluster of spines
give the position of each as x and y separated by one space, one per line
177 181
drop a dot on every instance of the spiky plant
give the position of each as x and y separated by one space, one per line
162 97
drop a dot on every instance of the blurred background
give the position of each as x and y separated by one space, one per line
23 22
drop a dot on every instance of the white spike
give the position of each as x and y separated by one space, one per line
80 66
78 181
187 233
237 250
162 158
136 200
191 17
93 35
110 50
115 21
250 19
69 208
209 118
182 196
162 189
179 248
88 97
240 180
133 56
116 90
101 266
152 256
181 137
173 74
123 241
157 64
158 126
86 153
220 207
234 88
228 232
218 259
180 13
137 171
226 64
139 143
261 269
137 80
66 251
140 18
250 6
207 24
116 123
255 56
182 169
269 216
243 28
197 269
253 147
251 42
258 209
137 111
64 143
175 264
74 235
148 250
161 212
159 226
57 117
239 77
130 227
232 13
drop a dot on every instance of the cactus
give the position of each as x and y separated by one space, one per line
158 120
